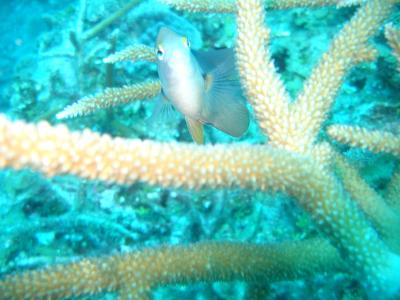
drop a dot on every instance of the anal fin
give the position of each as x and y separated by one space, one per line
196 130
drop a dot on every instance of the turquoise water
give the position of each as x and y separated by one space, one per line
46 65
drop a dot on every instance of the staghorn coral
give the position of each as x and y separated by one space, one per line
136 274
392 34
111 97
288 164
146 53
56 150
393 191
378 209
132 53
374 140
349 2
295 126
228 6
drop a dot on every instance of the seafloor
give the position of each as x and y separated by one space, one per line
55 220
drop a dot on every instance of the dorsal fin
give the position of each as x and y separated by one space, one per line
210 59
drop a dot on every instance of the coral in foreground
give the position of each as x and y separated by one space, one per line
295 161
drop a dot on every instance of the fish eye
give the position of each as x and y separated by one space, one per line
160 53
185 41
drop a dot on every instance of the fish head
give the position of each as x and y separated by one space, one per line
173 53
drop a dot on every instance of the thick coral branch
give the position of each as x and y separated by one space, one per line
336 216
296 128
261 82
56 150
134 275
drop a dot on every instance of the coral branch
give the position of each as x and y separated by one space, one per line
134 275
132 53
336 216
381 215
263 87
373 140
220 6
348 48
55 150
111 97
228 6
392 194
291 163
296 128
283 4
393 36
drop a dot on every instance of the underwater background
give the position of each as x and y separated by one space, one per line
45 66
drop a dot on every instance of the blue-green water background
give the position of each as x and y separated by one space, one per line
46 221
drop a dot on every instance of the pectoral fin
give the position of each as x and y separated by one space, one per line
196 130
163 111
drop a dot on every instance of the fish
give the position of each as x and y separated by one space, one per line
202 85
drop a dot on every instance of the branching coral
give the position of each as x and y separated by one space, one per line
295 126
111 97
373 140
393 191
132 53
356 220
228 6
393 36
378 209
136 274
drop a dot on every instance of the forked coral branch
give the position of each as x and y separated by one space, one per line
290 163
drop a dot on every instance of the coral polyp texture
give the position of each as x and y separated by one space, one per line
111 97
357 223
136 274
392 34
373 140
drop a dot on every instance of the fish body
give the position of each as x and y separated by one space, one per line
180 76
200 85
